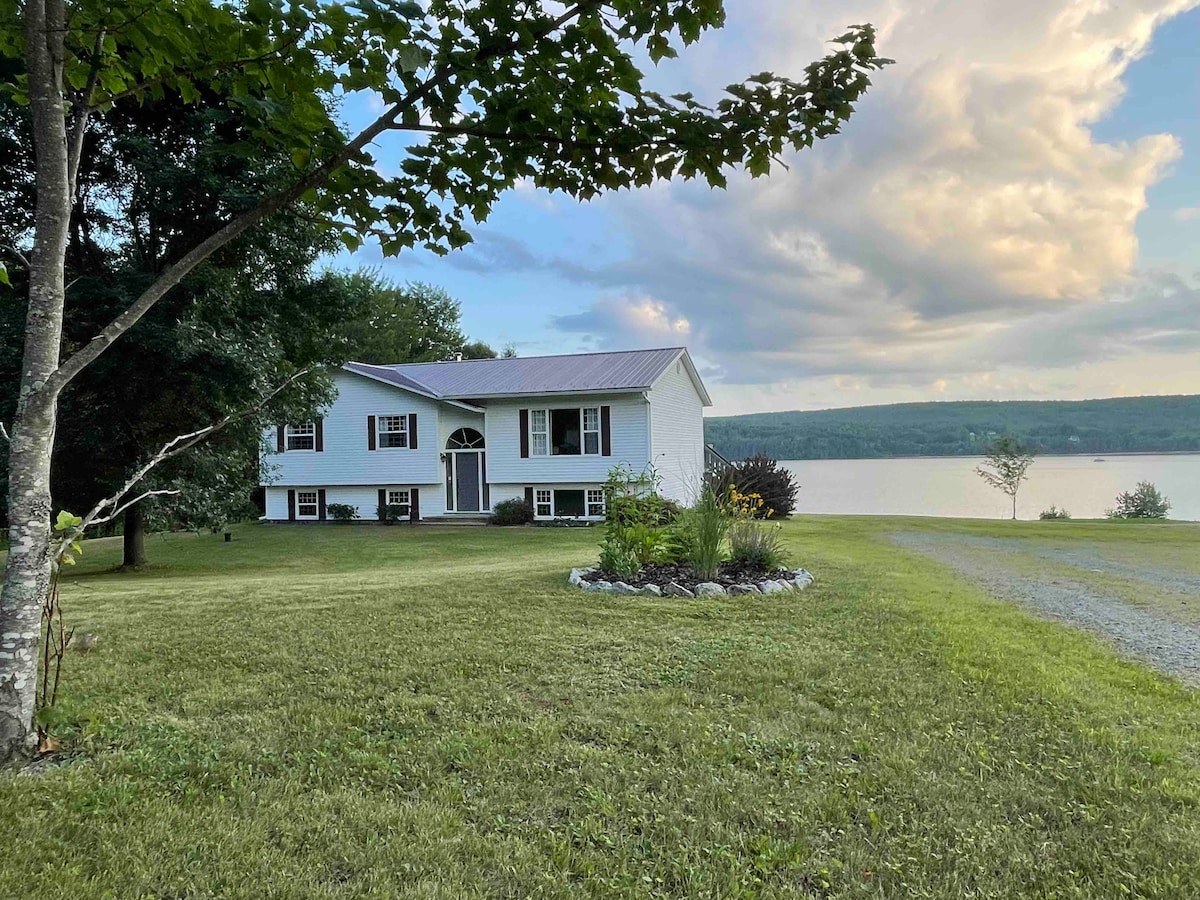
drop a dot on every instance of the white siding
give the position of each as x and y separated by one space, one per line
630 442
677 434
277 506
453 418
364 498
346 459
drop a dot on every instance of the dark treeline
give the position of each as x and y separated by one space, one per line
1120 425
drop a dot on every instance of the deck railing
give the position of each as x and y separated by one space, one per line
714 462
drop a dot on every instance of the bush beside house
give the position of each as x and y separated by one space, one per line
512 512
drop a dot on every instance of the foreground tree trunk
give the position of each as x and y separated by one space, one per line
134 543
27 569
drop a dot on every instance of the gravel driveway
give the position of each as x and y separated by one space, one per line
1172 647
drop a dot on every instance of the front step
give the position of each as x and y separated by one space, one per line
454 519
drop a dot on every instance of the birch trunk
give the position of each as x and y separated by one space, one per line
27 568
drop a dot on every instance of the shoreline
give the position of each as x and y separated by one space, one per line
1091 456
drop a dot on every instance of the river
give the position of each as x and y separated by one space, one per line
949 486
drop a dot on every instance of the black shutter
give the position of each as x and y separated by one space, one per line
280 438
291 506
319 438
529 498
606 430
321 502
524 434
371 434
414 506
382 511
412 431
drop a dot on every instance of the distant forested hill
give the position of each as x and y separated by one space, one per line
1121 425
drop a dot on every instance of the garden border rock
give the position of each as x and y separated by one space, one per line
801 578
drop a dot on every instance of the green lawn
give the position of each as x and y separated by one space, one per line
395 712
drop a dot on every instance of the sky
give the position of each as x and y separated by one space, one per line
1012 213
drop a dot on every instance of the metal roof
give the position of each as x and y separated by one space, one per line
582 373
390 374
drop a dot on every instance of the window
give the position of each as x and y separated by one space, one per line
591 430
568 503
393 432
564 432
306 503
539 432
465 439
302 437
595 500
397 498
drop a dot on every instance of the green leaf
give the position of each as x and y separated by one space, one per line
4 275
410 57
67 521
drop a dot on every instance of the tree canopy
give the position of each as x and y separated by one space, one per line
415 322
488 93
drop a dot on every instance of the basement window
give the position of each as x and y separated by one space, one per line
595 501
306 504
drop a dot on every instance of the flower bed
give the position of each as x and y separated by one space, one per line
676 580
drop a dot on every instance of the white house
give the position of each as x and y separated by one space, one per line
454 438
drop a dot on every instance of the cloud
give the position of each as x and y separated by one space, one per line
1186 214
967 223
619 321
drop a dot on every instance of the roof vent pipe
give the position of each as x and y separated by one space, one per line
458 356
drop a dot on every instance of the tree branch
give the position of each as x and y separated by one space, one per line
213 69
81 109
273 204
99 514
21 257
162 492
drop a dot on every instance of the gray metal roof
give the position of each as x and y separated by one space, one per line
390 374
468 379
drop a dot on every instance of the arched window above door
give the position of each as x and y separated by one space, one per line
465 439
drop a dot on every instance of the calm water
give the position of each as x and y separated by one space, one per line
950 487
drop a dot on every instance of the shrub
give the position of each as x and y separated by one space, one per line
711 523
647 543
632 498
1144 502
750 542
761 475
1054 513
341 512
391 513
512 512
679 538
635 521
756 545
618 558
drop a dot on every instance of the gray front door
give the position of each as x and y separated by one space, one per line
466 489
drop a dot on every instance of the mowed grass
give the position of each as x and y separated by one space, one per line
396 712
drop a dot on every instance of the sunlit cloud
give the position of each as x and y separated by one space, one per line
967 233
